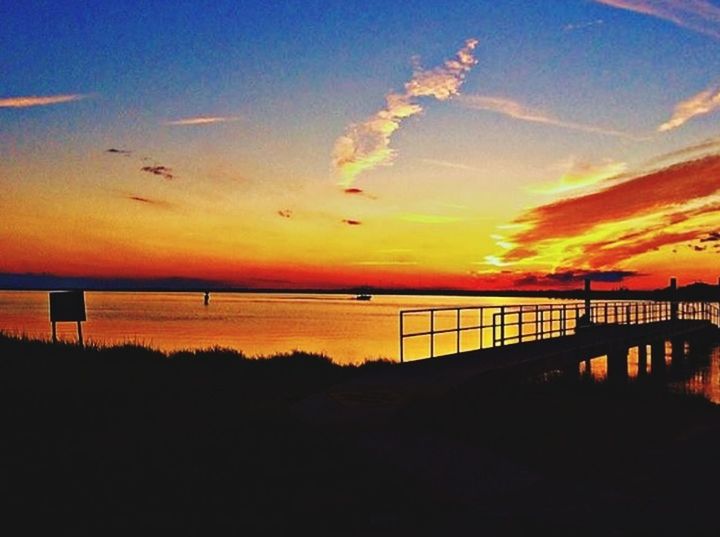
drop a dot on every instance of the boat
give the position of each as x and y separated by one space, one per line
363 296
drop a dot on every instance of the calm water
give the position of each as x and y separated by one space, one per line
345 329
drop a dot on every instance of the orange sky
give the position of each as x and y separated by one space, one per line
473 159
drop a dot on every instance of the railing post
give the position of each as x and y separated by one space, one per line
502 326
587 299
519 323
673 299
432 333
402 339
482 327
457 346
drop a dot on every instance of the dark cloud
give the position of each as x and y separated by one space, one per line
116 151
350 222
162 171
147 201
567 277
713 236
353 191
285 213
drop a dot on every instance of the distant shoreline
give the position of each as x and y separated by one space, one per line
690 292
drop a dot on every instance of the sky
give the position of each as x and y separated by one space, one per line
285 144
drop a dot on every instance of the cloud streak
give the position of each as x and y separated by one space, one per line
516 110
703 103
148 201
582 175
448 164
202 120
696 15
709 145
366 145
28 101
664 207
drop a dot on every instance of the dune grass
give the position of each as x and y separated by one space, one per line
126 439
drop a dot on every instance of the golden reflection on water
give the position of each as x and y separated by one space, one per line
697 373
704 379
347 330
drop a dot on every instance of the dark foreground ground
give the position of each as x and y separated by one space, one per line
128 441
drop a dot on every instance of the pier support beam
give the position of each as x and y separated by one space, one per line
657 357
617 364
642 360
678 352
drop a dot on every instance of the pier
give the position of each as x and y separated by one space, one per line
564 333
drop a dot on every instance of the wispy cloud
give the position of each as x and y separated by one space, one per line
709 145
202 120
162 171
351 222
448 164
516 110
583 25
580 174
697 15
285 213
25 102
703 103
367 145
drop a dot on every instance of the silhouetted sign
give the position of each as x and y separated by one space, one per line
67 306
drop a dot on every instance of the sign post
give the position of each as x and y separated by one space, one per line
67 306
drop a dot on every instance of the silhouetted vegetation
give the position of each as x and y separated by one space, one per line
130 440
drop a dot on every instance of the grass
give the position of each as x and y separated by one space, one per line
130 440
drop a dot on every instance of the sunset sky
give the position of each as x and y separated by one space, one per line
457 144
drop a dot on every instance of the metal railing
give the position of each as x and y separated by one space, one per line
483 327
